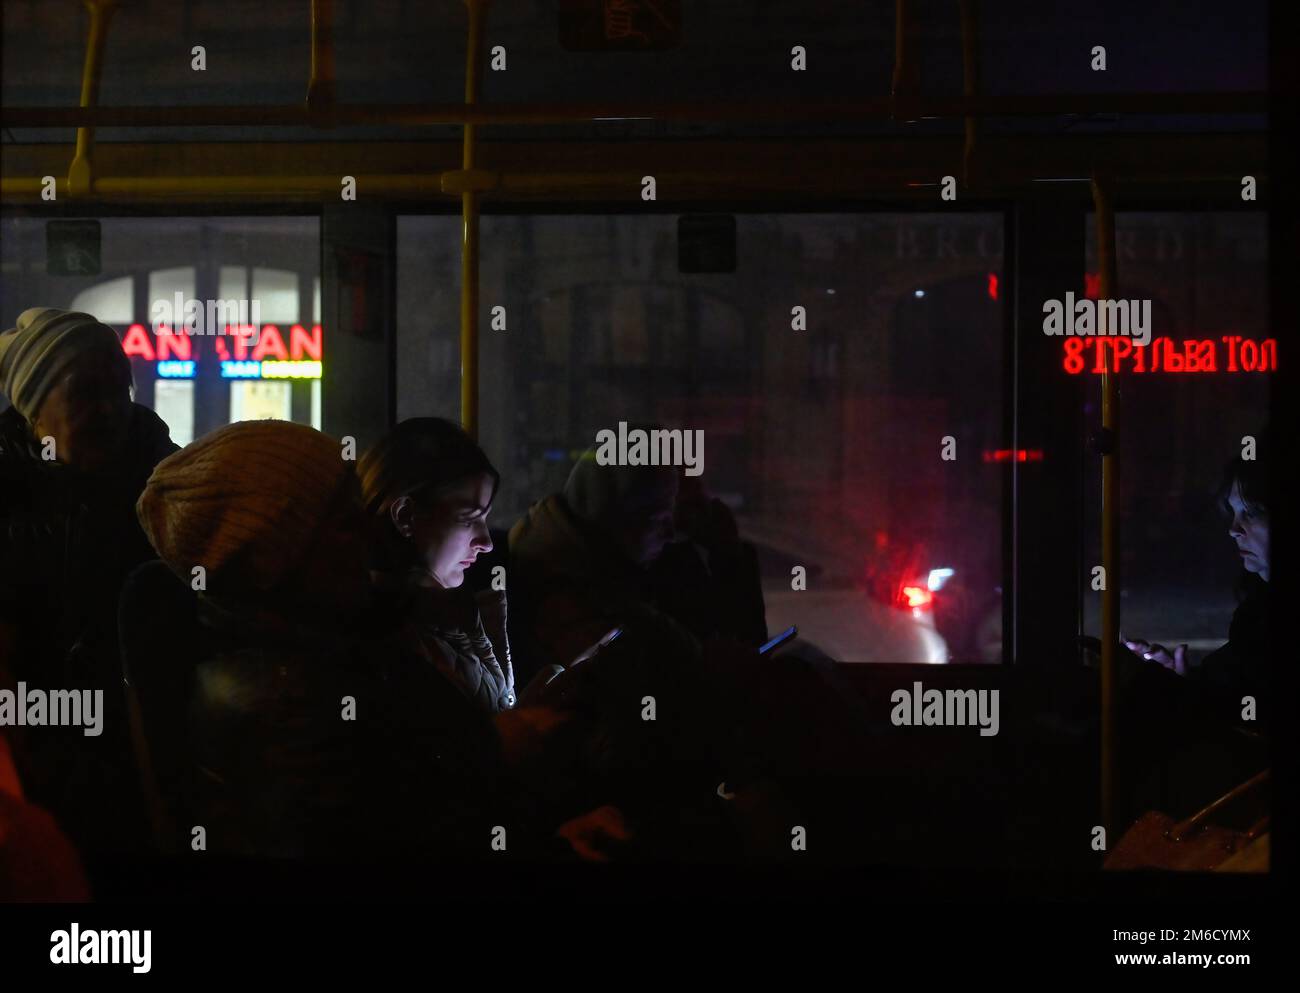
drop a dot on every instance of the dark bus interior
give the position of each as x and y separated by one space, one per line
821 235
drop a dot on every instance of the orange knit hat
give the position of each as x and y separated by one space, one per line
244 502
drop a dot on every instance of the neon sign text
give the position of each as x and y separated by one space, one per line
291 370
1235 354
174 369
164 344
235 369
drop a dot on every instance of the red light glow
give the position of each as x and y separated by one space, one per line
1014 455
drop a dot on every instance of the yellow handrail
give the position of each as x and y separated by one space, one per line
80 171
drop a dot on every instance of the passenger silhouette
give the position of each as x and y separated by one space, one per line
311 730
1240 667
75 452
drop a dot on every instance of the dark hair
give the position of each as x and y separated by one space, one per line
421 458
1250 476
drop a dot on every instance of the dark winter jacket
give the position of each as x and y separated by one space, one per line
714 592
1241 667
67 541
464 635
569 587
307 739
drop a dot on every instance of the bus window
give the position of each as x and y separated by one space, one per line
259 274
847 378
1188 402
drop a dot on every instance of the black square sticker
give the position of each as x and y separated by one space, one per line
72 248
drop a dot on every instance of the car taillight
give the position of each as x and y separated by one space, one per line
917 596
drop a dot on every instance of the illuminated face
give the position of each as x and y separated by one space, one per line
1249 529
451 533
87 413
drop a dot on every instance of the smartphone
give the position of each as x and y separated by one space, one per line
609 638
776 642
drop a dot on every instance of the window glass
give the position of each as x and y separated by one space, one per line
255 401
823 432
1205 275
174 403
276 292
232 282
428 316
164 285
212 262
110 301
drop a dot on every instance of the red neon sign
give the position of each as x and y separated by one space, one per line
140 343
1167 355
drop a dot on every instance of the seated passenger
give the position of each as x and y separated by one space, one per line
1240 667
1185 721
309 733
427 488
581 600
580 560
75 453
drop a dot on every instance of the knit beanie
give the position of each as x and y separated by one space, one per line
44 345
246 502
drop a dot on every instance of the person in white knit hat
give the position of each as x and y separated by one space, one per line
75 453
66 375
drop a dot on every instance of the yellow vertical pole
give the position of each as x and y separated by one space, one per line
79 172
1105 212
469 246
320 88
